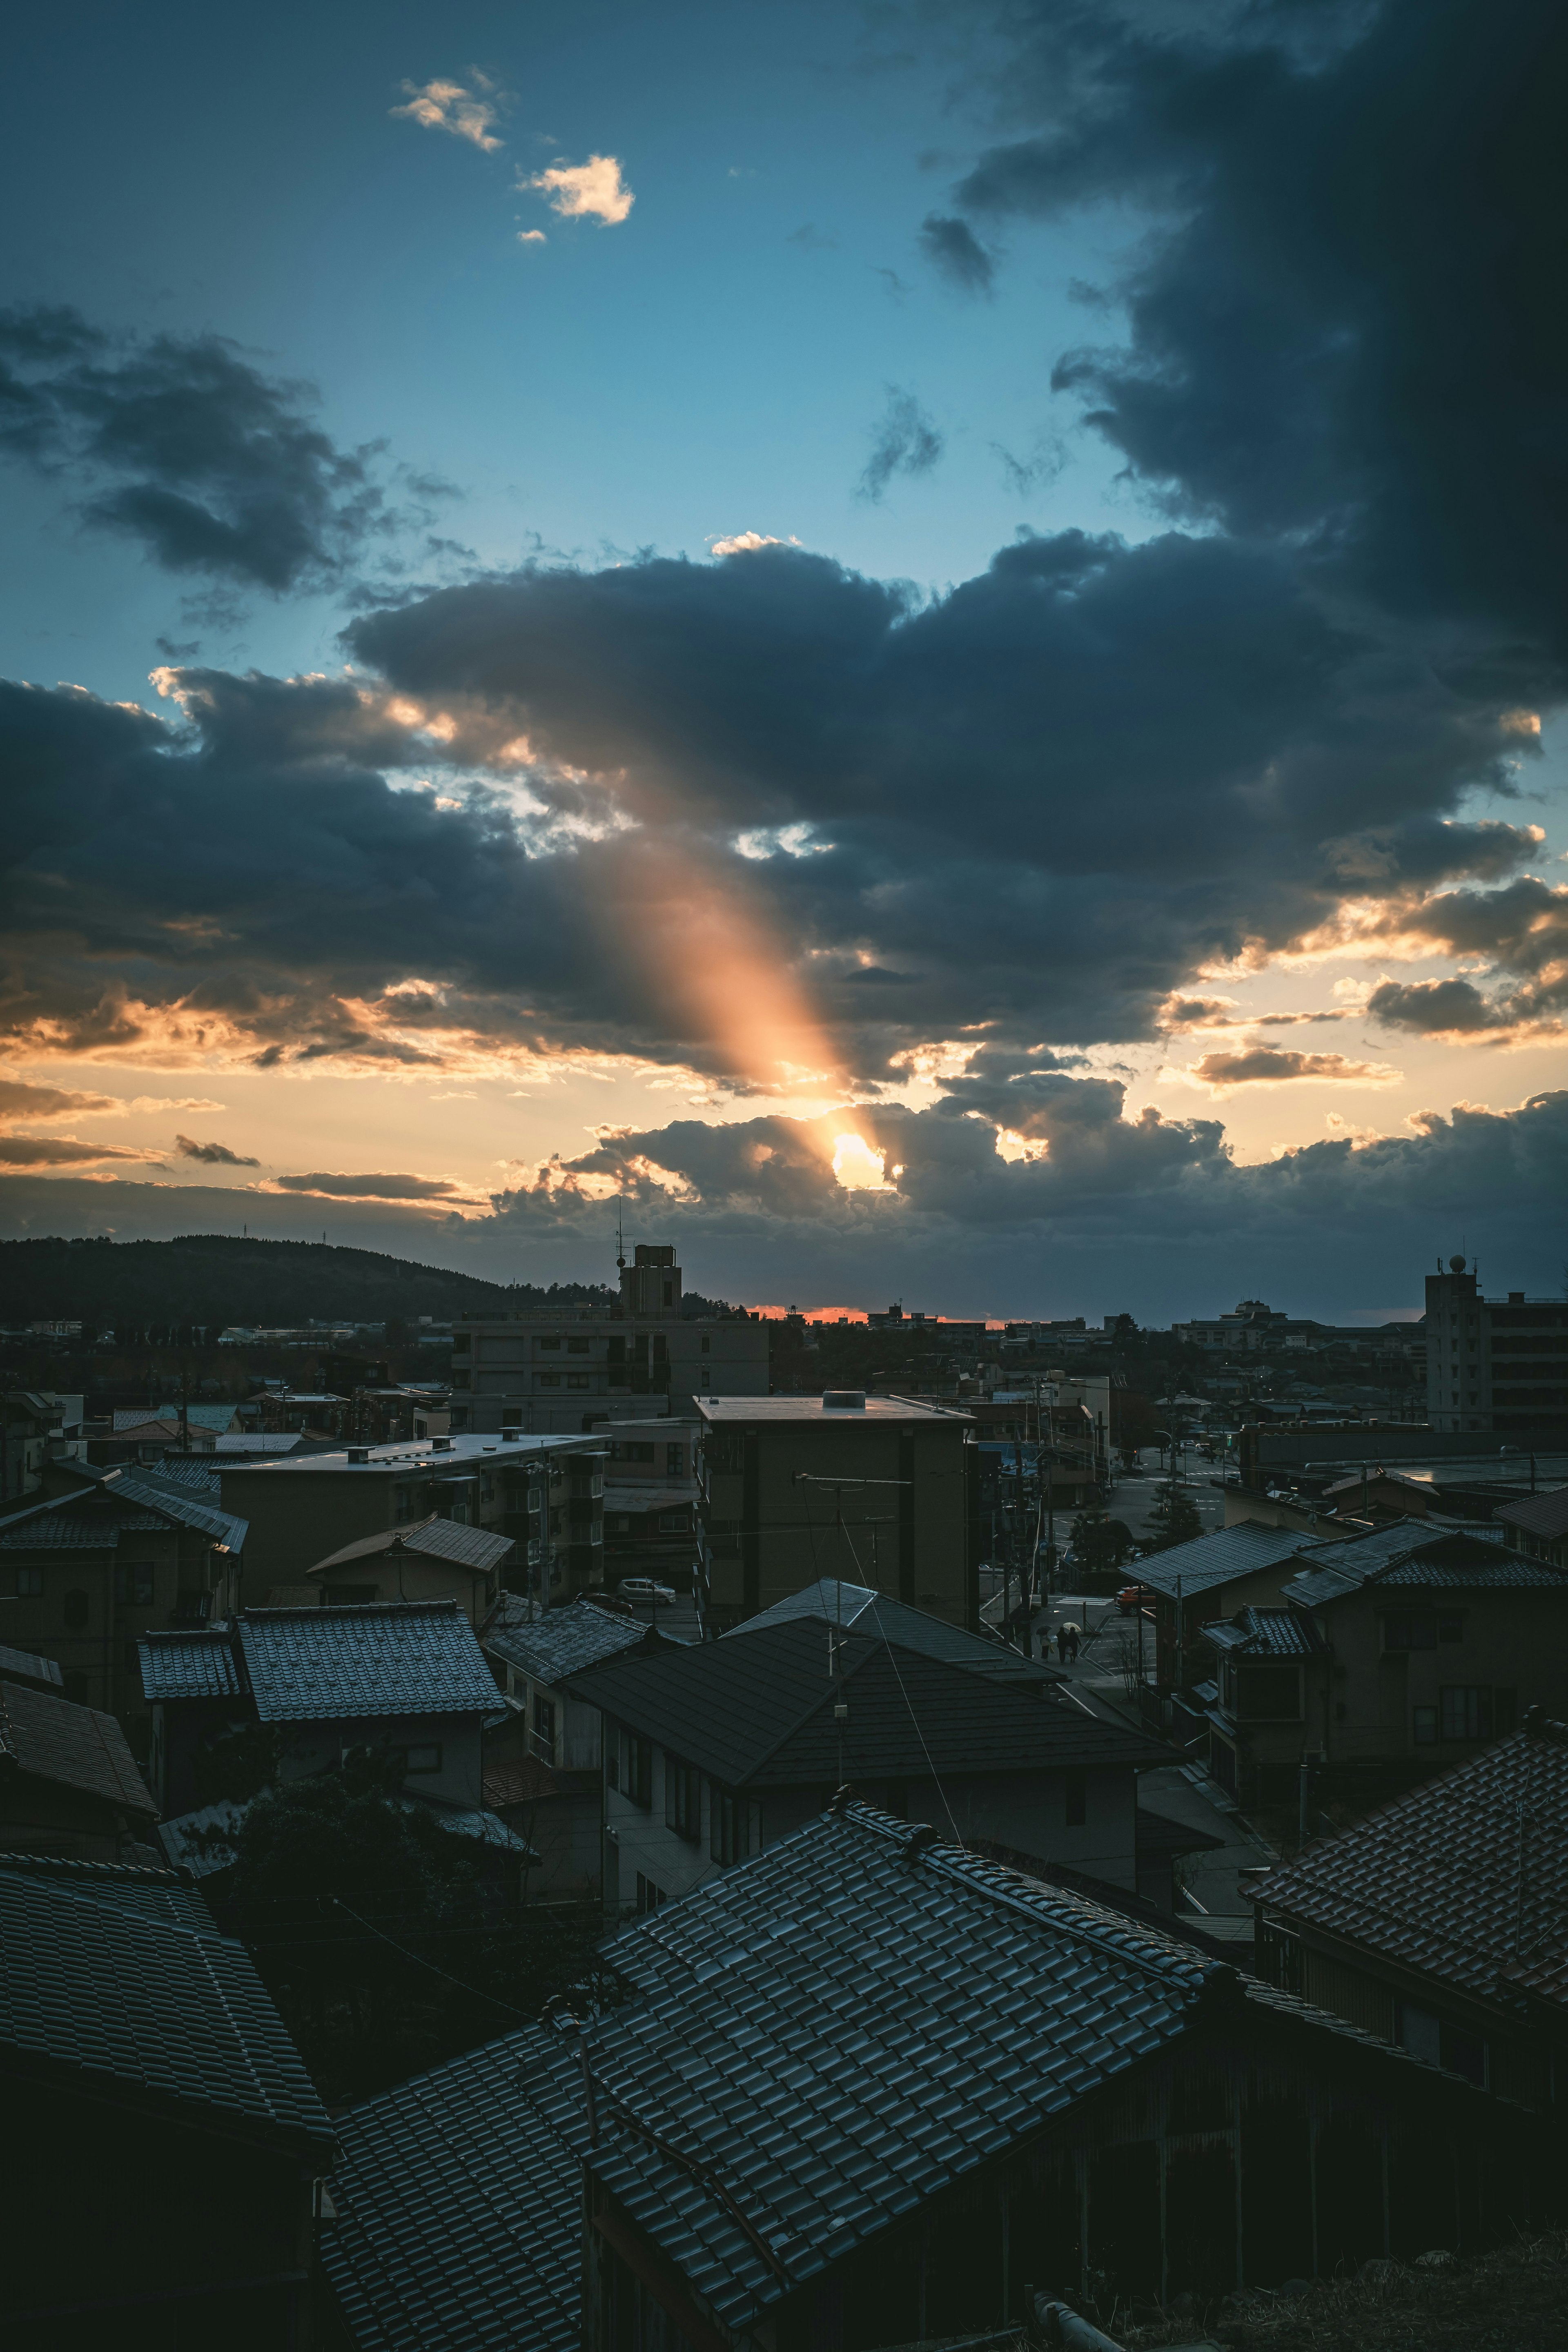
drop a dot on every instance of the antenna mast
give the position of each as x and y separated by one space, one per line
620 1239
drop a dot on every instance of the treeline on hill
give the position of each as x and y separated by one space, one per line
215 1280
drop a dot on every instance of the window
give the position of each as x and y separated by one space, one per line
1412 1629
674 1460
707 1347
549 1343
579 1379
635 1450
1075 1792
637 1783
620 1524
730 1825
671 1523
649 1896
1465 1711
547 1380
425 1758
544 1729
76 1612
1424 1726
29 1583
683 1800
576 1346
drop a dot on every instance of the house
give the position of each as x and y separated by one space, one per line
1192 1584
716 1750
550 1789
406 1676
875 1488
165 2149
1537 1527
69 1783
21 1667
85 1574
545 1493
456 2218
1437 1922
434 1560
866 2087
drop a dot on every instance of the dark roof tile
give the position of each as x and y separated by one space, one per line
188 1665
387 1658
52 1738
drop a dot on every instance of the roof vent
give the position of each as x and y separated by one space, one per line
843 1400
440 1446
359 1454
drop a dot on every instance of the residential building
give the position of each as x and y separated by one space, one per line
870 2089
552 1789
408 1677
1194 1584
1438 1921
166 2147
878 1489
1537 1525
1493 1363
545 1494
69 1783
37 1427
650 1499
84 1575
578 1367
1406 1646
434 1560
715 1751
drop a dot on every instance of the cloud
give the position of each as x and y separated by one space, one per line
448 106
214 1154
1270 1065
590 191
374 1188
20 1100
812 239
62 1152
955 253
531 237
905 441
213 468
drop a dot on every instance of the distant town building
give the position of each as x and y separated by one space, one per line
1493 1363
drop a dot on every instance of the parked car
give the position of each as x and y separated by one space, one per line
1130 1599
644 1588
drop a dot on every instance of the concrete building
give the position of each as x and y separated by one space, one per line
877 1489
544 1492
650 1499
574 1369
1493 1363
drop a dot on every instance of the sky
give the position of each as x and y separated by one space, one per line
925 645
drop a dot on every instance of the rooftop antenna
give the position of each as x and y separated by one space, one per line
620 1239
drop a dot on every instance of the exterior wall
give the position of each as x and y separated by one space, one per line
1365 1703
763 1536
312 1748
1260 1590
44 1817
1493 1363
574 1743
408 1578
503 1371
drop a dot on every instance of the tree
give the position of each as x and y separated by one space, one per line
1100 1544
1174 1519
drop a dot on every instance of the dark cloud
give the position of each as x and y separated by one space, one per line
1335 323
213 1155
19 1099
373 1188
61 1151
215 468
956 254
1268 1064
1435 1006
905 442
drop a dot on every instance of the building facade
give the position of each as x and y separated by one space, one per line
1493 1363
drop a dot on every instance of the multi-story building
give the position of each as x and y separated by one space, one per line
876 1489
578 1367
545 1493
1493 1363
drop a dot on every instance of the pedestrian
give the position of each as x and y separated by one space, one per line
1073 1638
1061 1644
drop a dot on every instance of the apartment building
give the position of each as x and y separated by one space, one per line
570 1371
877 1488
1493 1363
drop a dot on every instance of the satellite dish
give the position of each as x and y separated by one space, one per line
1456 1266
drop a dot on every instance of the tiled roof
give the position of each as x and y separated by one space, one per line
760 1713
1223 1557
458 2221
385 1658
562 1641
1408 1554
55 1529
118 1503
144 1891
835 2031
193 1481
93 1982
1465 1879
829 1601
188 1665
216 1417
1268 1634
52 1738
1538 1514
21 1667
223 1527
430 1539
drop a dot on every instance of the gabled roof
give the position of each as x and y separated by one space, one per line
459 2207
1410 1554
431 1539
215 1417
1268 1634
97 1986
52 1738
384 1658
1223 1557
760 1713
829 1601
1465 1879
188 1665
121 1502
223 1527
834 2031
21 1667
562 1642
141 1889
1538 1514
